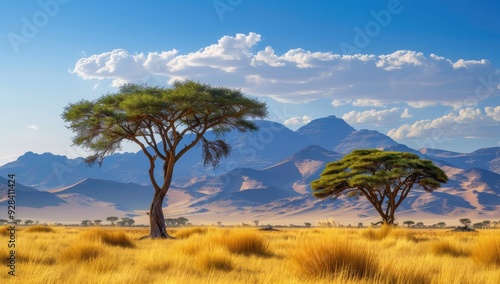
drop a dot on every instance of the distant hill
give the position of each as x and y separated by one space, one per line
364 139
28 196
326 132
486 158
125 196
267 177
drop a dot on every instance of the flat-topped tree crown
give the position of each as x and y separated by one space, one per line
157 119
384 178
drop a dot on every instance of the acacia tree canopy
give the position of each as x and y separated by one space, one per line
384 178
157 119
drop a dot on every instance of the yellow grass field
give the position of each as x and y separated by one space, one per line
246 255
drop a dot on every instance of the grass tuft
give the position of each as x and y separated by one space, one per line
487 250
446 247
330 259
81 252
379 234
113 238
4 231
186 233
40 229
215 260
245 242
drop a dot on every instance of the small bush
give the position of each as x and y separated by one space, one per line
446 247
186 233
487 250
246 243
113 238
81 252
330 259
40 229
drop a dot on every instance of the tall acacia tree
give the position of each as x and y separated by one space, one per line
165 123
384 178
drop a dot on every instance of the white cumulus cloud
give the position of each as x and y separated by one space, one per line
33 127
337 103
298 120
467 122
493 112
406 114
299 75
377 117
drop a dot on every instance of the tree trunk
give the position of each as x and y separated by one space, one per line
389 218
157 229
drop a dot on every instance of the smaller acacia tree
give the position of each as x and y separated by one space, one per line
384 178
112 220
465 221
408 223
486 223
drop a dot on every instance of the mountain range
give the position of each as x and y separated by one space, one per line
266 178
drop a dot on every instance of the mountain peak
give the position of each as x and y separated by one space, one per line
325 132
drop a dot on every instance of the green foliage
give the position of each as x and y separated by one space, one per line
408 223
384 178
138 113
112 219
465 221
165 123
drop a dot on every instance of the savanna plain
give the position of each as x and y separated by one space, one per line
247 255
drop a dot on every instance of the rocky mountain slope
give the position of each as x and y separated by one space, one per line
267 177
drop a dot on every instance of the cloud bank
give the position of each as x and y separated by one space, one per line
468 122
299 75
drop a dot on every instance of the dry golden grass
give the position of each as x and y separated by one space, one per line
4 231
188 232
452 247
487 250
378 234
218 259
245 242
245 255
39 229
113 238
338 256
81 252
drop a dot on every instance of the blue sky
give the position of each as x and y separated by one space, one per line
426 73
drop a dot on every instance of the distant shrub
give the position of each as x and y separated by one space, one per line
40 229
113 238
326 259
487 250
